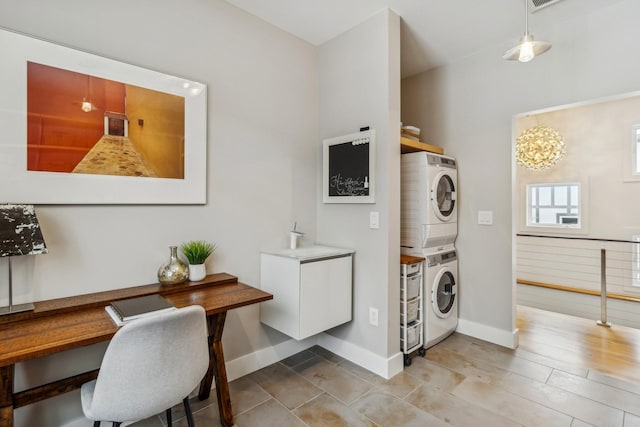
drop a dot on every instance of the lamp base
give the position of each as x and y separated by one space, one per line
18 308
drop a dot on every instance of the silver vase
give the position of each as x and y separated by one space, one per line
173 271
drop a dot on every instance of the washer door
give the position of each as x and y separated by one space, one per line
443 196
443 293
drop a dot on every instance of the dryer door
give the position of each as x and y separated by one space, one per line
443 196
443 293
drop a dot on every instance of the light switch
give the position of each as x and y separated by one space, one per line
485 217
374 220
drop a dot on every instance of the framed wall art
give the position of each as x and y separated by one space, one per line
349 168
78 128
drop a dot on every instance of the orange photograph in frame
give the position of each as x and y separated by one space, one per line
79 123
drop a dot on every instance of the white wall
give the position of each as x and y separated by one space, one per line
359 79
262 159
468 108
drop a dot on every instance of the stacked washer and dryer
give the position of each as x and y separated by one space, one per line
429 227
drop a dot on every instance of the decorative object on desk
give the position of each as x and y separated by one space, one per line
173 271
539 147
20 234
197 252
125 310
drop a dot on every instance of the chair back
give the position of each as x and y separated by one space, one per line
152 364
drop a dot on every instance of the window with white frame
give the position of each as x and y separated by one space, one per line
631 150
554 205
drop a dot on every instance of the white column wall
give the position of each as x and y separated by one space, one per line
359 85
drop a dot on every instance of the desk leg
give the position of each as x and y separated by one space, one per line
6 396
217 369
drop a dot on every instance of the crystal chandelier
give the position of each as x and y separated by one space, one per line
539 147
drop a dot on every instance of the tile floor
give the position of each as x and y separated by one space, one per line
460 382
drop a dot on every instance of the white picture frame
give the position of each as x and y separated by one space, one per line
349 168
20 185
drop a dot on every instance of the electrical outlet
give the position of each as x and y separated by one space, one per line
373 316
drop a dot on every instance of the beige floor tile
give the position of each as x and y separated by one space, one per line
333 379
494 398
386 410
245 394
361 372
463 365
177 412
623 384
631 420
439 377
563 401
578 423
400 385
603 393
269 413
325 411
298 358
285 385
491 354
207 416
154 421
453 410
326 354
571 368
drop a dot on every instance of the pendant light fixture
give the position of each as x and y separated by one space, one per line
527 48
539 148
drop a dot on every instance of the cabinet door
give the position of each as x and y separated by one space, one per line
325 295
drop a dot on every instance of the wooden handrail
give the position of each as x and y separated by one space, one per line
576 290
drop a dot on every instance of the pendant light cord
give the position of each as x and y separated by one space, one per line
526 18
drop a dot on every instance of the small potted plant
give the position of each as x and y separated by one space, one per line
197 252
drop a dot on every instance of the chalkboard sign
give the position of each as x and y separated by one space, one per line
349 168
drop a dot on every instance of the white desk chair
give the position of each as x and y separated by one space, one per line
150 365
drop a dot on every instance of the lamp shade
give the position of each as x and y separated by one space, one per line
20 232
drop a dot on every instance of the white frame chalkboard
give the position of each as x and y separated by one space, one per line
354 155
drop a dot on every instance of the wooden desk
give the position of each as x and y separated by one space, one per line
66 323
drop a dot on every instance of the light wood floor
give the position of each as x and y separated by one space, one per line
577 341
566 372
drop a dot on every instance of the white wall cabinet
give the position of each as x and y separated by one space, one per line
312 289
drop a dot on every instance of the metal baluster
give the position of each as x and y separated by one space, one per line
603 289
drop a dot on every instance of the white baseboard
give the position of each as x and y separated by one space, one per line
379 365
251 362
488 333
385 367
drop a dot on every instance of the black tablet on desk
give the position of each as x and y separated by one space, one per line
134 308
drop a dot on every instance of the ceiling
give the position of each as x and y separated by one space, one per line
433 32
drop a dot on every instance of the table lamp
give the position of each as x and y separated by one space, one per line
19 235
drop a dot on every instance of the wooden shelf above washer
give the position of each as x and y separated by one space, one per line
410 146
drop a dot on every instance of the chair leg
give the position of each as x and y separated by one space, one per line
187 411
96 424
169 420
116 424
